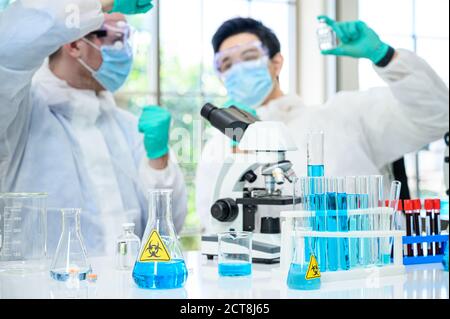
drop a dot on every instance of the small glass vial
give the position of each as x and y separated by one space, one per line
326 36
128 245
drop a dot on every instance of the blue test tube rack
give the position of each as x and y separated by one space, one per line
421 240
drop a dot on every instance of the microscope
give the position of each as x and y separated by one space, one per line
250 182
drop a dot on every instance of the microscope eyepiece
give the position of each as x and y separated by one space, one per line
231 121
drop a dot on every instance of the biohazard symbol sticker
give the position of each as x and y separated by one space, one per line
154 249
313 269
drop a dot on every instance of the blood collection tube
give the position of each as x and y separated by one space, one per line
429 225
437 224
417 205
408 205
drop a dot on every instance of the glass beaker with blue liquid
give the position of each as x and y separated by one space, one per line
235 253
160 263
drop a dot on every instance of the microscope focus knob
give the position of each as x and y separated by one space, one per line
225 210
250 177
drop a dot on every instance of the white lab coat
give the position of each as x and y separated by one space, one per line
364 131
73 144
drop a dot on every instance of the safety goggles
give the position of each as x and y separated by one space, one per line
252 51
115 34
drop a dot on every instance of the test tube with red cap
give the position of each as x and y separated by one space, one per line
437 224
417 206
408 205
429 224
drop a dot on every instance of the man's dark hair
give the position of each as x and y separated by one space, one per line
247 25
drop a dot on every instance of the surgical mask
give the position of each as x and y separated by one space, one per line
250 82
116 65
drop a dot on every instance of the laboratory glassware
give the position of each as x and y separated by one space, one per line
332 224
390 220
304 271
70 256
23 232
235 253
342 208
315 154
326 36
127 249
353 219
160 263
362 191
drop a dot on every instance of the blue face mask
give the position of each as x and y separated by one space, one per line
116 66
249 83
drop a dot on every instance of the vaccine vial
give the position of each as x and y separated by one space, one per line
326 36
127 249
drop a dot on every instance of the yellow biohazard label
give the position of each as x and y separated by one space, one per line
154 249
313 269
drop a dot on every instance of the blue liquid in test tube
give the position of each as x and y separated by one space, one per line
344 257
320 225
316 170
332 226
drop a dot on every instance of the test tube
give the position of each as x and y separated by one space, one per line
437 225
342 206
417 207
317 191
315 153
411 248
332 224
362 191
353 218
429 204
394 199
375 205
389 221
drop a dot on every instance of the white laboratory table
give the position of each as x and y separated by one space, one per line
421 282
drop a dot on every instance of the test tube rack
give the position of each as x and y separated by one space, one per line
429 240
288 232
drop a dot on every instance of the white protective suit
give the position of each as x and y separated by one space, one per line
73 144
364 131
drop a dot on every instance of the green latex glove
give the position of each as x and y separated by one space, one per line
132 6
243 108
357 40
154 123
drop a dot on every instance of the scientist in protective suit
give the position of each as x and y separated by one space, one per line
364 131
60 129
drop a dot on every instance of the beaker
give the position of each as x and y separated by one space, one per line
23 232
71 253
160 263
235 253
127 249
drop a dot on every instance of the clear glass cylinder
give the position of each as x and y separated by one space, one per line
353 219
160 263
362 191
235 253
23 232
315 154
70 256
127 248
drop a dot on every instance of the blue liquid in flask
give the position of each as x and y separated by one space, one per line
160 275
235 269
297 278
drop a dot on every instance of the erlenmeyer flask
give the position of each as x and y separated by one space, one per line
160 263
71 253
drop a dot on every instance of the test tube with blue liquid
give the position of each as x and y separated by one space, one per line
391 220
235 254
316 171
342 208
353 219
332 224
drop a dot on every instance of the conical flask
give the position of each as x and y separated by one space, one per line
71 253
160 263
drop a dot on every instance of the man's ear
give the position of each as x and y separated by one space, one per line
74 48
277 63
